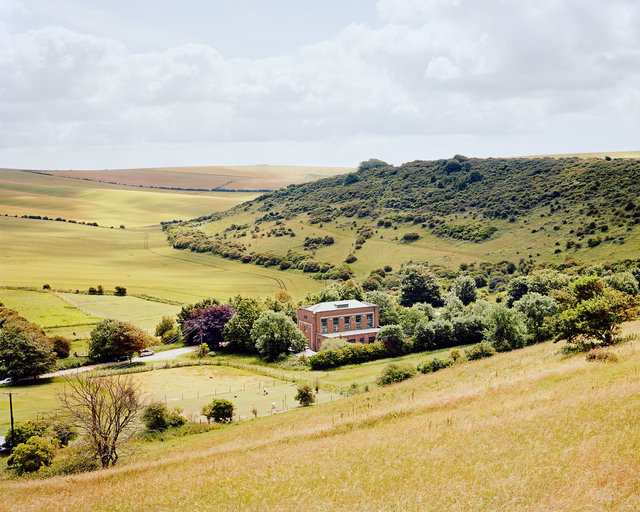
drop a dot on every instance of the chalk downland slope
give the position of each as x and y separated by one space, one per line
521 431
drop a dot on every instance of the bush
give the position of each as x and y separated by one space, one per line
219 410
433 365
305 395
479 351
600 354
396 373
166 324
121 291
29 457
61 346
22 432
351 353
75 459
156 417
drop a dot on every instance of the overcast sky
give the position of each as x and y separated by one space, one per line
122 83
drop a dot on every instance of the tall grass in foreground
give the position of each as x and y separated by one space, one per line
525 430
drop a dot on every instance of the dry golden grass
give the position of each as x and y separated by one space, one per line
527 430
247 177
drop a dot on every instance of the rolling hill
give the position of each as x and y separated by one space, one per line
453 212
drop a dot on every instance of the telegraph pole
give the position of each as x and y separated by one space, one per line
11 393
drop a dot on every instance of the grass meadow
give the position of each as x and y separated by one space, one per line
71 256
528 430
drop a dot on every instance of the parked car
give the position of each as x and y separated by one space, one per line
6 382
146 352
121 358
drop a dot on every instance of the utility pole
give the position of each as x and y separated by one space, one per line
11 393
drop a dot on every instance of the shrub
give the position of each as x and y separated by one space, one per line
61 346
72 460
46 287
166 324
410 237
351 258
31 456
305 395
479 351
505 329
26 430
121 291
396 373
219 410
156 417
433 365
600 354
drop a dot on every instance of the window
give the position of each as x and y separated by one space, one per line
336 324
323 325
369 319
351 340
347 323
372 339
305 317
358 321
361 340
305 328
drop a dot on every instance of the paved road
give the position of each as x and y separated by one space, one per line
167 355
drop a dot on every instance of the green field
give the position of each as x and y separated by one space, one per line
69 257
188 387
520 431
109 205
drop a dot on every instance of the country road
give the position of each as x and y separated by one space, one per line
167 355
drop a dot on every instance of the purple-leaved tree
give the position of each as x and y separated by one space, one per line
205 325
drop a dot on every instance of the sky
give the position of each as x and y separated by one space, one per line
93 84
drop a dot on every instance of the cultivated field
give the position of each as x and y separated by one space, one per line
521 431
71 256
23 193
247 177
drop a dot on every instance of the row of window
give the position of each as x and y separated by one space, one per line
353 340
346 322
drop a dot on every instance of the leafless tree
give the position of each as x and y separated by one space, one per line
103 409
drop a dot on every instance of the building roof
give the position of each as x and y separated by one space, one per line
337 305
346 334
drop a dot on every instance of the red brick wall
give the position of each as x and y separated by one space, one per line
313 322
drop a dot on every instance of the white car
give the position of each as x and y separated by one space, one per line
6 382
146 352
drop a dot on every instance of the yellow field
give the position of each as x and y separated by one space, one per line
24 193
70 256
244 177
528 430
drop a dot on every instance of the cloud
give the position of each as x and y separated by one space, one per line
430 69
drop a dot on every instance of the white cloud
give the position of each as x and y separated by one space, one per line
431 70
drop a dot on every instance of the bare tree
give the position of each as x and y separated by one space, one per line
103 409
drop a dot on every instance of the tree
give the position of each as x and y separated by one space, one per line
409 319
387 312
505 329
24 350
392 337
35 453
275 334
103 410
113 338
157 417
237 332
589 310
305 395
219 410
465 289
121 291
536 309
186 311
424 336
516 289
206 325
623 282
419 284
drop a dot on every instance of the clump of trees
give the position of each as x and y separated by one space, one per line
219 410
157 417
113 338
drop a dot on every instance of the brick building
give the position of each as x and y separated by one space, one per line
352 320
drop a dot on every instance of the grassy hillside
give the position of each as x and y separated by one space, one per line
71 256
446 212
247 177
524 430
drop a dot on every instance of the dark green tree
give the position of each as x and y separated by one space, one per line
305 395
219 410
275 334
113 338
419 284
237 331
465 289
24 350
